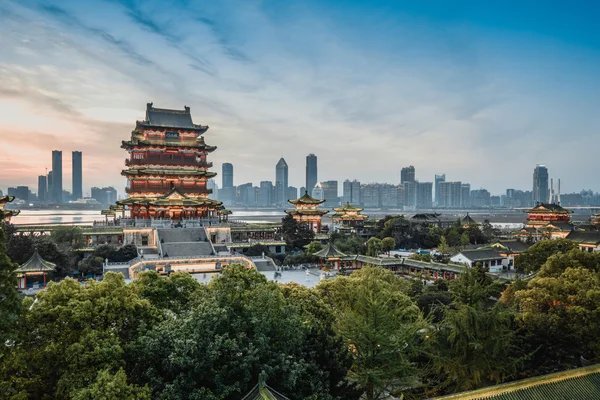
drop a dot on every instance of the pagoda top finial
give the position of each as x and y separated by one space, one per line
149 106
187 109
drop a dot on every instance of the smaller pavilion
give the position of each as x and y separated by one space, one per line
34 271
331 255
307 211
349 216
8 213
467 221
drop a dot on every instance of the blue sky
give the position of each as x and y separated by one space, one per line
479 90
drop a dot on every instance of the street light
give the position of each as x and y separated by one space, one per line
104 265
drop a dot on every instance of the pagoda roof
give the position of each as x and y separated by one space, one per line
350 217
548 208
173 198
166 171
585 237
36 264
467 220
347 207
163 117
330 251
306 199
5 199
575 384
262 391
307 212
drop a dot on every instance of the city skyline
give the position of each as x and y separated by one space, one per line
462 93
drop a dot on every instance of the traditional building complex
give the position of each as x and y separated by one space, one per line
167 167
547 220
307 210
349 217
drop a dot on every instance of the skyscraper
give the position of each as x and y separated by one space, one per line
227 175
424 194
540 184
264 194
311 172
351 192
450 194
57 182
281 182
77 175
407 174
42 188
465 195
438 179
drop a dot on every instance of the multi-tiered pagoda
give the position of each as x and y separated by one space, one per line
167 168
349 216
307 211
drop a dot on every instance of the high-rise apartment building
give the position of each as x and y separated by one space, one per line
407 174
351 190
369 193
465 195
281 182
388 195
57 182
480 198
311 173
438 179
410 194
330 193
42 188
105 196
77 175
227 193
450 194
540 184
424 194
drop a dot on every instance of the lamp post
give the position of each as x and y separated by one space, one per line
104 265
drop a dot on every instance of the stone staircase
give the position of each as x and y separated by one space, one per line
184 242
264 264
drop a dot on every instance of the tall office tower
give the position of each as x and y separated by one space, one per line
243 194
227 171
42 188
410 193
351 190
214 188
265 192
49 184
311 172
438 179
330 193
540 184
57 183
407 174
22 193
106 196
424 195
281 182
77 175
465 195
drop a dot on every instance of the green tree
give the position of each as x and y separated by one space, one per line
109 386
388 244
240 328
10 303
475 343
374 247
533 258
464 240
443 246
380 325
313 247
72 332
90 265
558 311
176 293
296 235
67 236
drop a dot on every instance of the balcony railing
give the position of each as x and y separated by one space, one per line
168 161
165 189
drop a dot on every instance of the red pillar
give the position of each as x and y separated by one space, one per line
44 279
